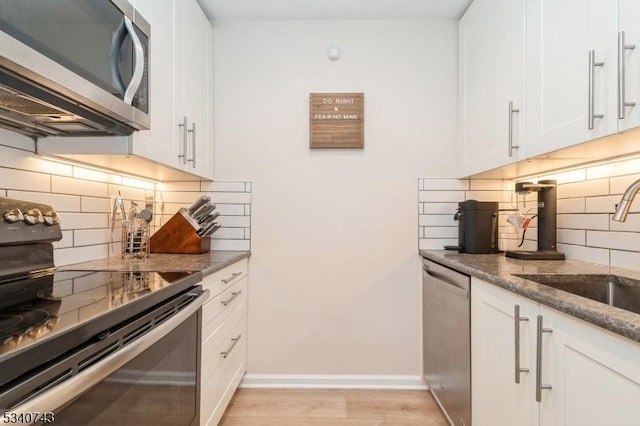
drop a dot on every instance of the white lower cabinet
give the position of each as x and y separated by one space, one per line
587 375
223 355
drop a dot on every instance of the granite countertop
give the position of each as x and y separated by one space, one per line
206 263
498 269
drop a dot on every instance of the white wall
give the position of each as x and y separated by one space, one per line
335 278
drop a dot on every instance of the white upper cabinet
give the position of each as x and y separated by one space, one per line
492 84
181 86
571 72
629 64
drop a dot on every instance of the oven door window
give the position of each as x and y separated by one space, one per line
158 387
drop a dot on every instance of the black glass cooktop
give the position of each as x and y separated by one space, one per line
48 313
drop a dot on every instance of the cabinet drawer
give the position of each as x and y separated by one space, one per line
217 282
223 341
221 376
217 310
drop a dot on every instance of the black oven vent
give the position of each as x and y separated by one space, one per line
97 356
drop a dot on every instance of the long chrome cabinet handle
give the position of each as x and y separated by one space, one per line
231 278
539 385
192 160
183 125
511 145
622 48
234 342
517 319
233 296
592 67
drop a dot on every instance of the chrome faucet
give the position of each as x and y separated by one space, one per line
622 209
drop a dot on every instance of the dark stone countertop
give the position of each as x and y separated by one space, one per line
206 263
498 269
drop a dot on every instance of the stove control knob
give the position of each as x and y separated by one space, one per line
51 218
13 216
33 217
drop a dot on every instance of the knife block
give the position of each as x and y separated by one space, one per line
179 236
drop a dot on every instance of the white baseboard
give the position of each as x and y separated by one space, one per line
330 381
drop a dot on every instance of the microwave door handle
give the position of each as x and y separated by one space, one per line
114 57
138 70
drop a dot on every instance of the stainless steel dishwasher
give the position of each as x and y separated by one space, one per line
446 341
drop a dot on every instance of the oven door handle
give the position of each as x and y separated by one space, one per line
58 396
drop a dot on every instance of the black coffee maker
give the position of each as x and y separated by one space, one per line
477 227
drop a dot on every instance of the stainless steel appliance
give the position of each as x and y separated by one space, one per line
73 67
89 347
446 316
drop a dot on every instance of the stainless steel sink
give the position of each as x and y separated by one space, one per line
614 290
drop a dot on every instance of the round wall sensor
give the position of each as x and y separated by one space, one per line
334 53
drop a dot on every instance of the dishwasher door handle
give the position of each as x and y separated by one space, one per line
443 282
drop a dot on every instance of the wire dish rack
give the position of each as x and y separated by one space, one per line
135 238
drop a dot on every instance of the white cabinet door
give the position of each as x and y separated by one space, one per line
197 88
629 28
491 79
159 143
497 400
594 375
560 35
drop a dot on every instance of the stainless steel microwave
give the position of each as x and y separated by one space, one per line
73 67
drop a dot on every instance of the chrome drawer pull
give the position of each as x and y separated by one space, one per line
231 278
517 319
539 386
233 296
233 344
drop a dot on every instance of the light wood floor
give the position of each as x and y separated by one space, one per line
332 407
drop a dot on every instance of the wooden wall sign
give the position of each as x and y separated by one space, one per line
336 120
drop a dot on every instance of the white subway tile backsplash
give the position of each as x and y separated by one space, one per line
229 234
233 210
444 184
69 185
61 203
24 180
88 237
436 220
67 256
620 184
231 245
440 232
586 254
498 196
223 186
441 196
83 220
584 221
435 243
91 204
592 188
572 236
625 259
488 185
180 187
184 199
632 224
605 204
614 240
230 197
234 221
571 205
439 208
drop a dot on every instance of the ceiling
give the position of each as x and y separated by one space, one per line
220 10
